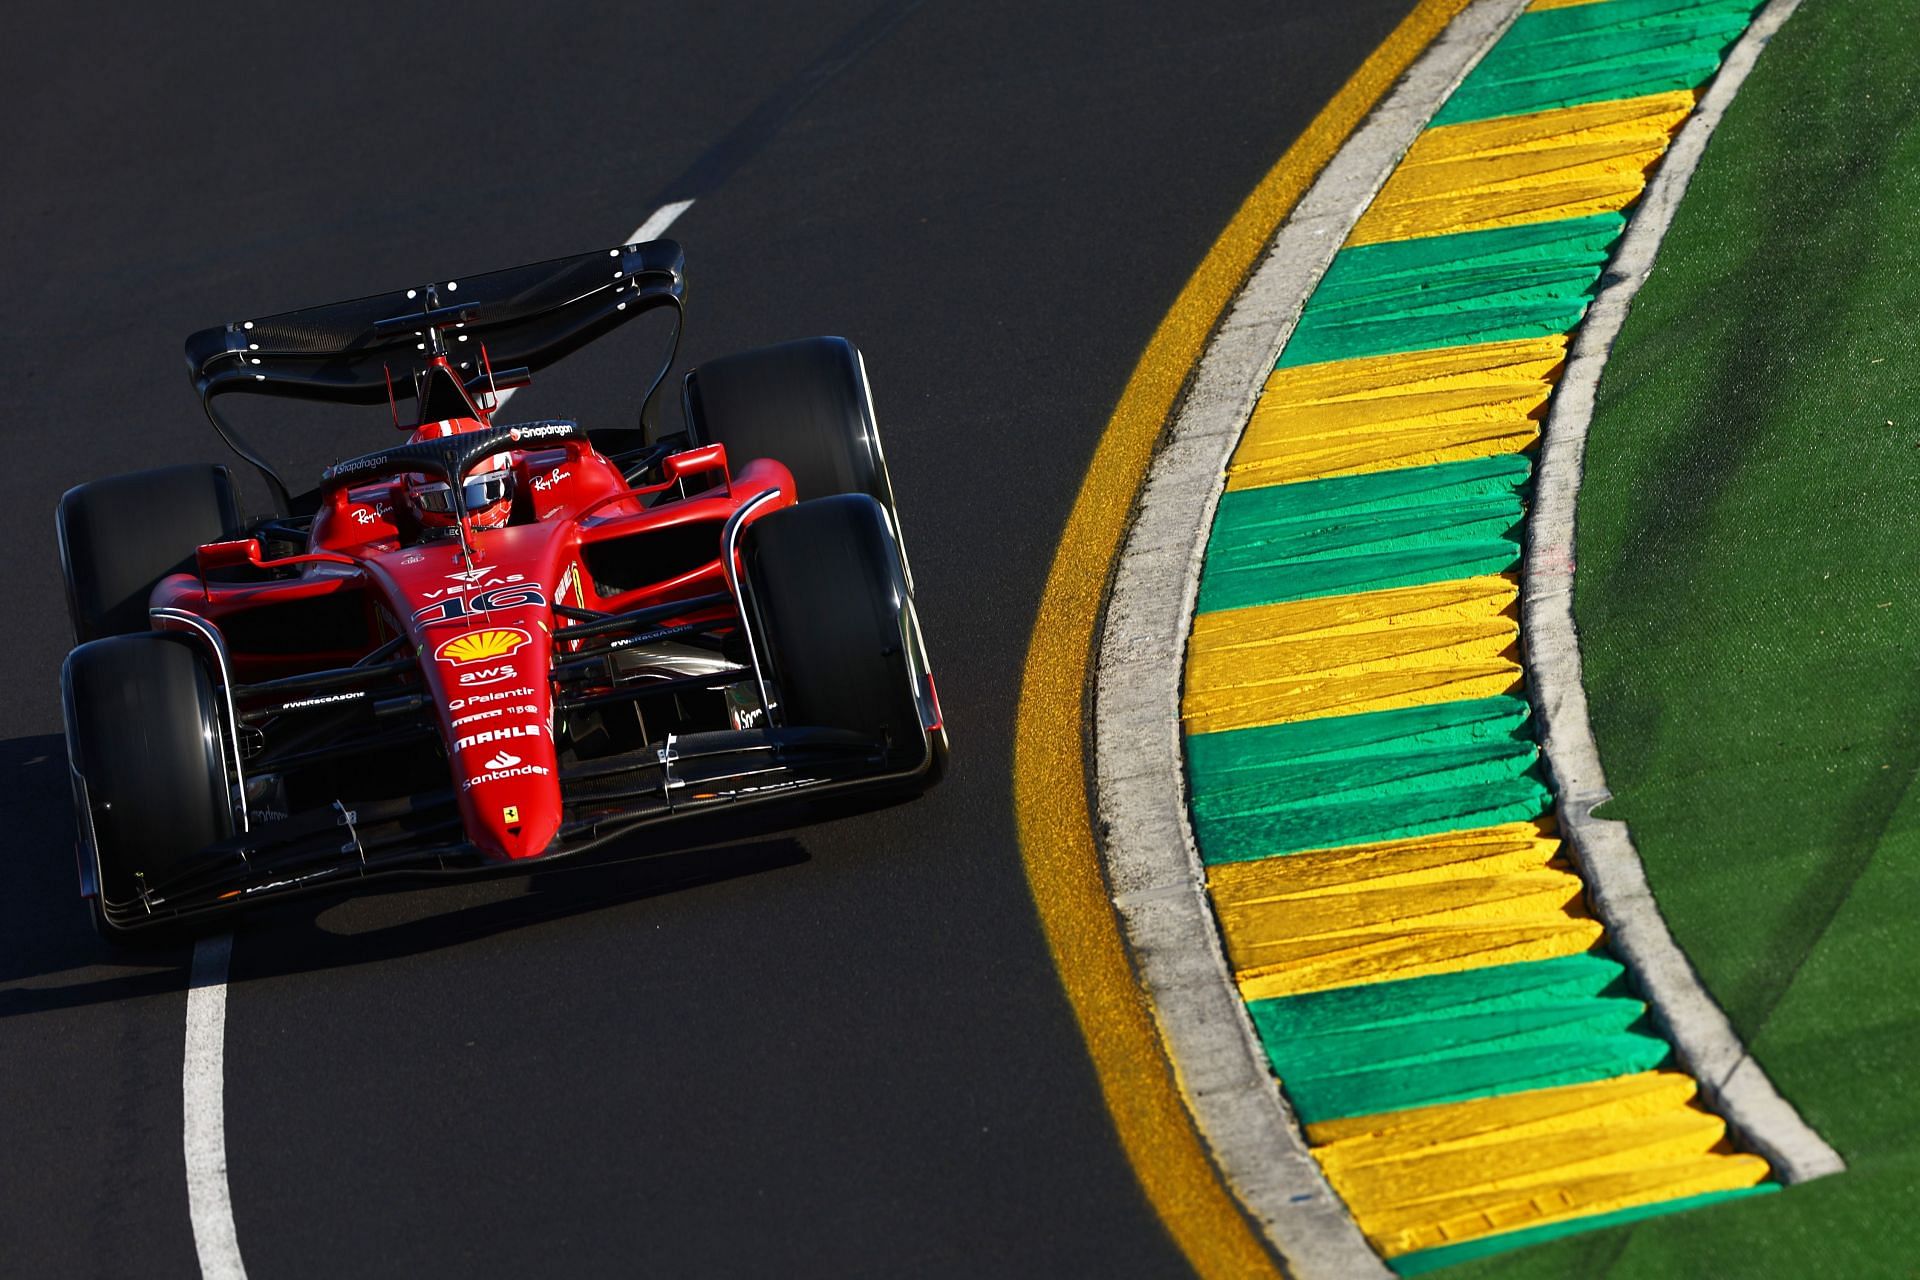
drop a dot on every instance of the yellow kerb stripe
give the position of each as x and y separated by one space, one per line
1380 413
1565 163
1342 655
1442 1174
1399 909
1049 767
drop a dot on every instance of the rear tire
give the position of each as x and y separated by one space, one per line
805 404
120 536
835 612
145 736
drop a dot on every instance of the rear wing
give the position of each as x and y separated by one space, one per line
359 351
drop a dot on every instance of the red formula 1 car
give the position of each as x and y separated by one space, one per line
495 642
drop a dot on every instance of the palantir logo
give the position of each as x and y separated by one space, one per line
502 760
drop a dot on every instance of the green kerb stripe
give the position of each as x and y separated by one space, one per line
1590 53
1477 1033
1365 533
1443 291
1338 780
1419 1264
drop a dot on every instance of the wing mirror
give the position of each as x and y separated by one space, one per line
246 551
227 555
693 462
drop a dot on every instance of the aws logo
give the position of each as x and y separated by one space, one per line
480 646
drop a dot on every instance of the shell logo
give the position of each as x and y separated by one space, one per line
478 646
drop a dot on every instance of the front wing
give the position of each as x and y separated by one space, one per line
604 799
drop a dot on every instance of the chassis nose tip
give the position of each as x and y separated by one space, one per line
513 831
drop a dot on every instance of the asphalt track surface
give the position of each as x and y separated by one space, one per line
835 1050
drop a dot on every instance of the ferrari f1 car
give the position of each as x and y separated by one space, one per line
494 643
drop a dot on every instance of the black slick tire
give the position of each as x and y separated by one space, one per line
805 404
145 740
830 591
120 536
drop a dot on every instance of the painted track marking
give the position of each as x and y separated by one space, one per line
1157 887
663 217
203 1076
1136 1080
203 1080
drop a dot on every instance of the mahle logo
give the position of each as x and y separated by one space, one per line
483 736
479 646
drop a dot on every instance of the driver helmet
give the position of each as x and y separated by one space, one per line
488 490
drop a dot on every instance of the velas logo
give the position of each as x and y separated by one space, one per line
480 646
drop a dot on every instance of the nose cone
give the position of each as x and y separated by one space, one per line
512 803
499 724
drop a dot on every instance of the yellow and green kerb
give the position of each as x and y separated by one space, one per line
1471 1065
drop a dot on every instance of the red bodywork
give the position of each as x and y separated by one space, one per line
482 631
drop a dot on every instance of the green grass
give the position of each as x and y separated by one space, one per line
1749 554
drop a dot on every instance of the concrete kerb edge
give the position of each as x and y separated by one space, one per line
1705 1041
1153 866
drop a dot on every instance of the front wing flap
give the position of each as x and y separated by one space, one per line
604 799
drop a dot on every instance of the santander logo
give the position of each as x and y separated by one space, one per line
502 760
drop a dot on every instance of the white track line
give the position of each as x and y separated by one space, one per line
203 1080
662 218
203 1076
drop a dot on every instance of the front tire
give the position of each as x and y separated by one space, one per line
145 738
830 590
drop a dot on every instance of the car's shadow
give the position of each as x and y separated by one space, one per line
51 958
